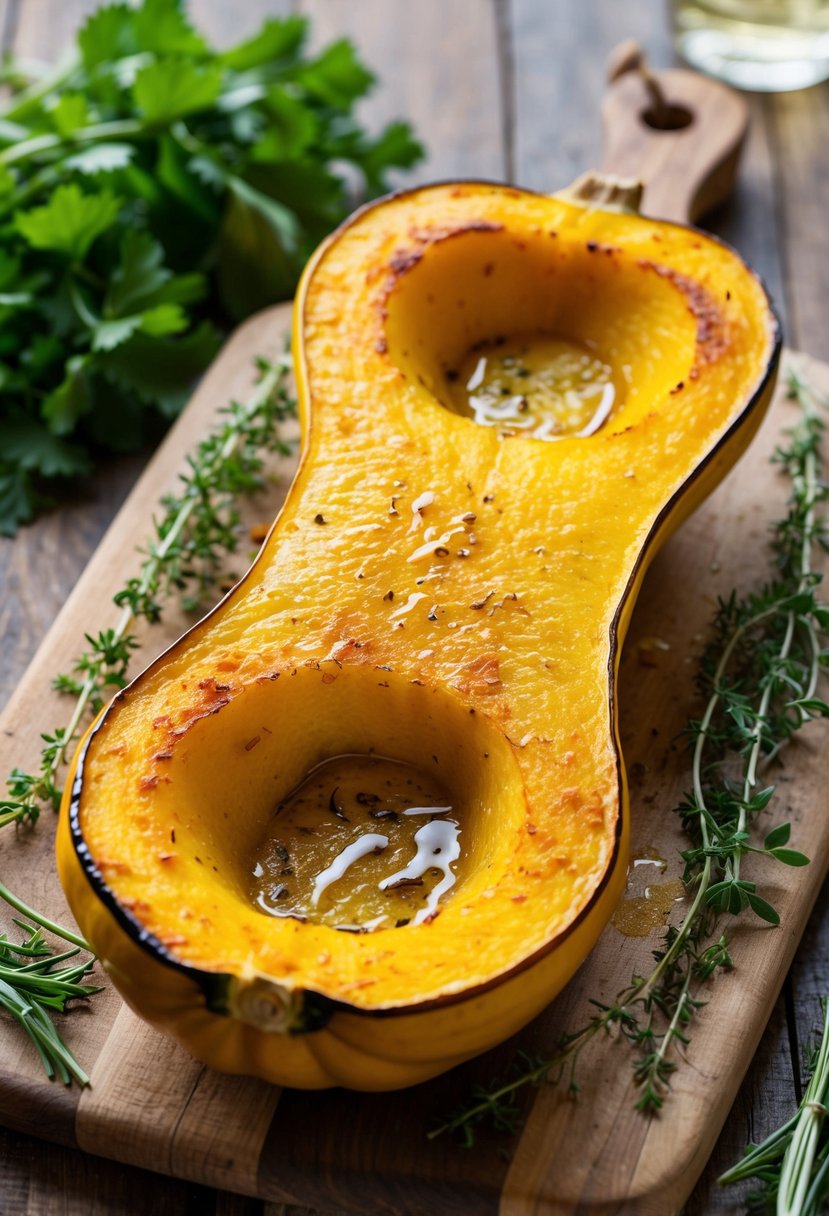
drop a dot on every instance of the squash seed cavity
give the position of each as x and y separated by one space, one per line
362 843
536 385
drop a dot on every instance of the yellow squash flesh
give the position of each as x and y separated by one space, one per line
501 678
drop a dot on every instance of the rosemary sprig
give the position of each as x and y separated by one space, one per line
191 539
33 981
793 1162
759 675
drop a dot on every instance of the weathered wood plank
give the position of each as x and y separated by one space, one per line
224 24
185 1129
43 1180
560 53
800 126
45 28
751 219
438 69
8 21
766 1099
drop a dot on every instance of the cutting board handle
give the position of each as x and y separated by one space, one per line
678 132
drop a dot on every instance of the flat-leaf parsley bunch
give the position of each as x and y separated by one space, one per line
152 188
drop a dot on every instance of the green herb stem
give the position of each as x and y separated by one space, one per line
256 422
39 919
126 128
798 1159
31 983
759 675
792 1164
264 391
196 530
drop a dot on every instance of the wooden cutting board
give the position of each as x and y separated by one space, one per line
151 1105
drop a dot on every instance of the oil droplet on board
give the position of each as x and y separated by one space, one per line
362 843
646 905
538 385
639 915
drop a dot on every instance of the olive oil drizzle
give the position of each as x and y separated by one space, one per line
346 849
538 385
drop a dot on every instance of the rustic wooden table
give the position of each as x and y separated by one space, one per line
495 88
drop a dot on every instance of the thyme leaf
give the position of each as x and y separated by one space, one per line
190 542
759 677
196 530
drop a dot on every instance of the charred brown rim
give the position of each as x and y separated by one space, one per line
317 1008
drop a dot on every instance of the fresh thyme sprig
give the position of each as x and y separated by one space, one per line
793 1162
193 536
191 540
759 675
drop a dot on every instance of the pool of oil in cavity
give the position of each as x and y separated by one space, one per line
538 385
362 843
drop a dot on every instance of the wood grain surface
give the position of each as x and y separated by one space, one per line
513 87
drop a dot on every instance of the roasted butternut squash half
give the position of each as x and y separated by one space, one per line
366 818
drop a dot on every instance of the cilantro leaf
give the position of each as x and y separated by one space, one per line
70 112
173 88
163 319
174 172
70 400
157 321
279 38
107 34
109 334
291 128
161 370
336 76
70 221
395 147
25 442
140 274
161 27
256 250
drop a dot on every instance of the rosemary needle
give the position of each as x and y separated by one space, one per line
31 982
793 1162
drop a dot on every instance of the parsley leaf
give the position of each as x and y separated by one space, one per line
172 88
152 193
70 221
